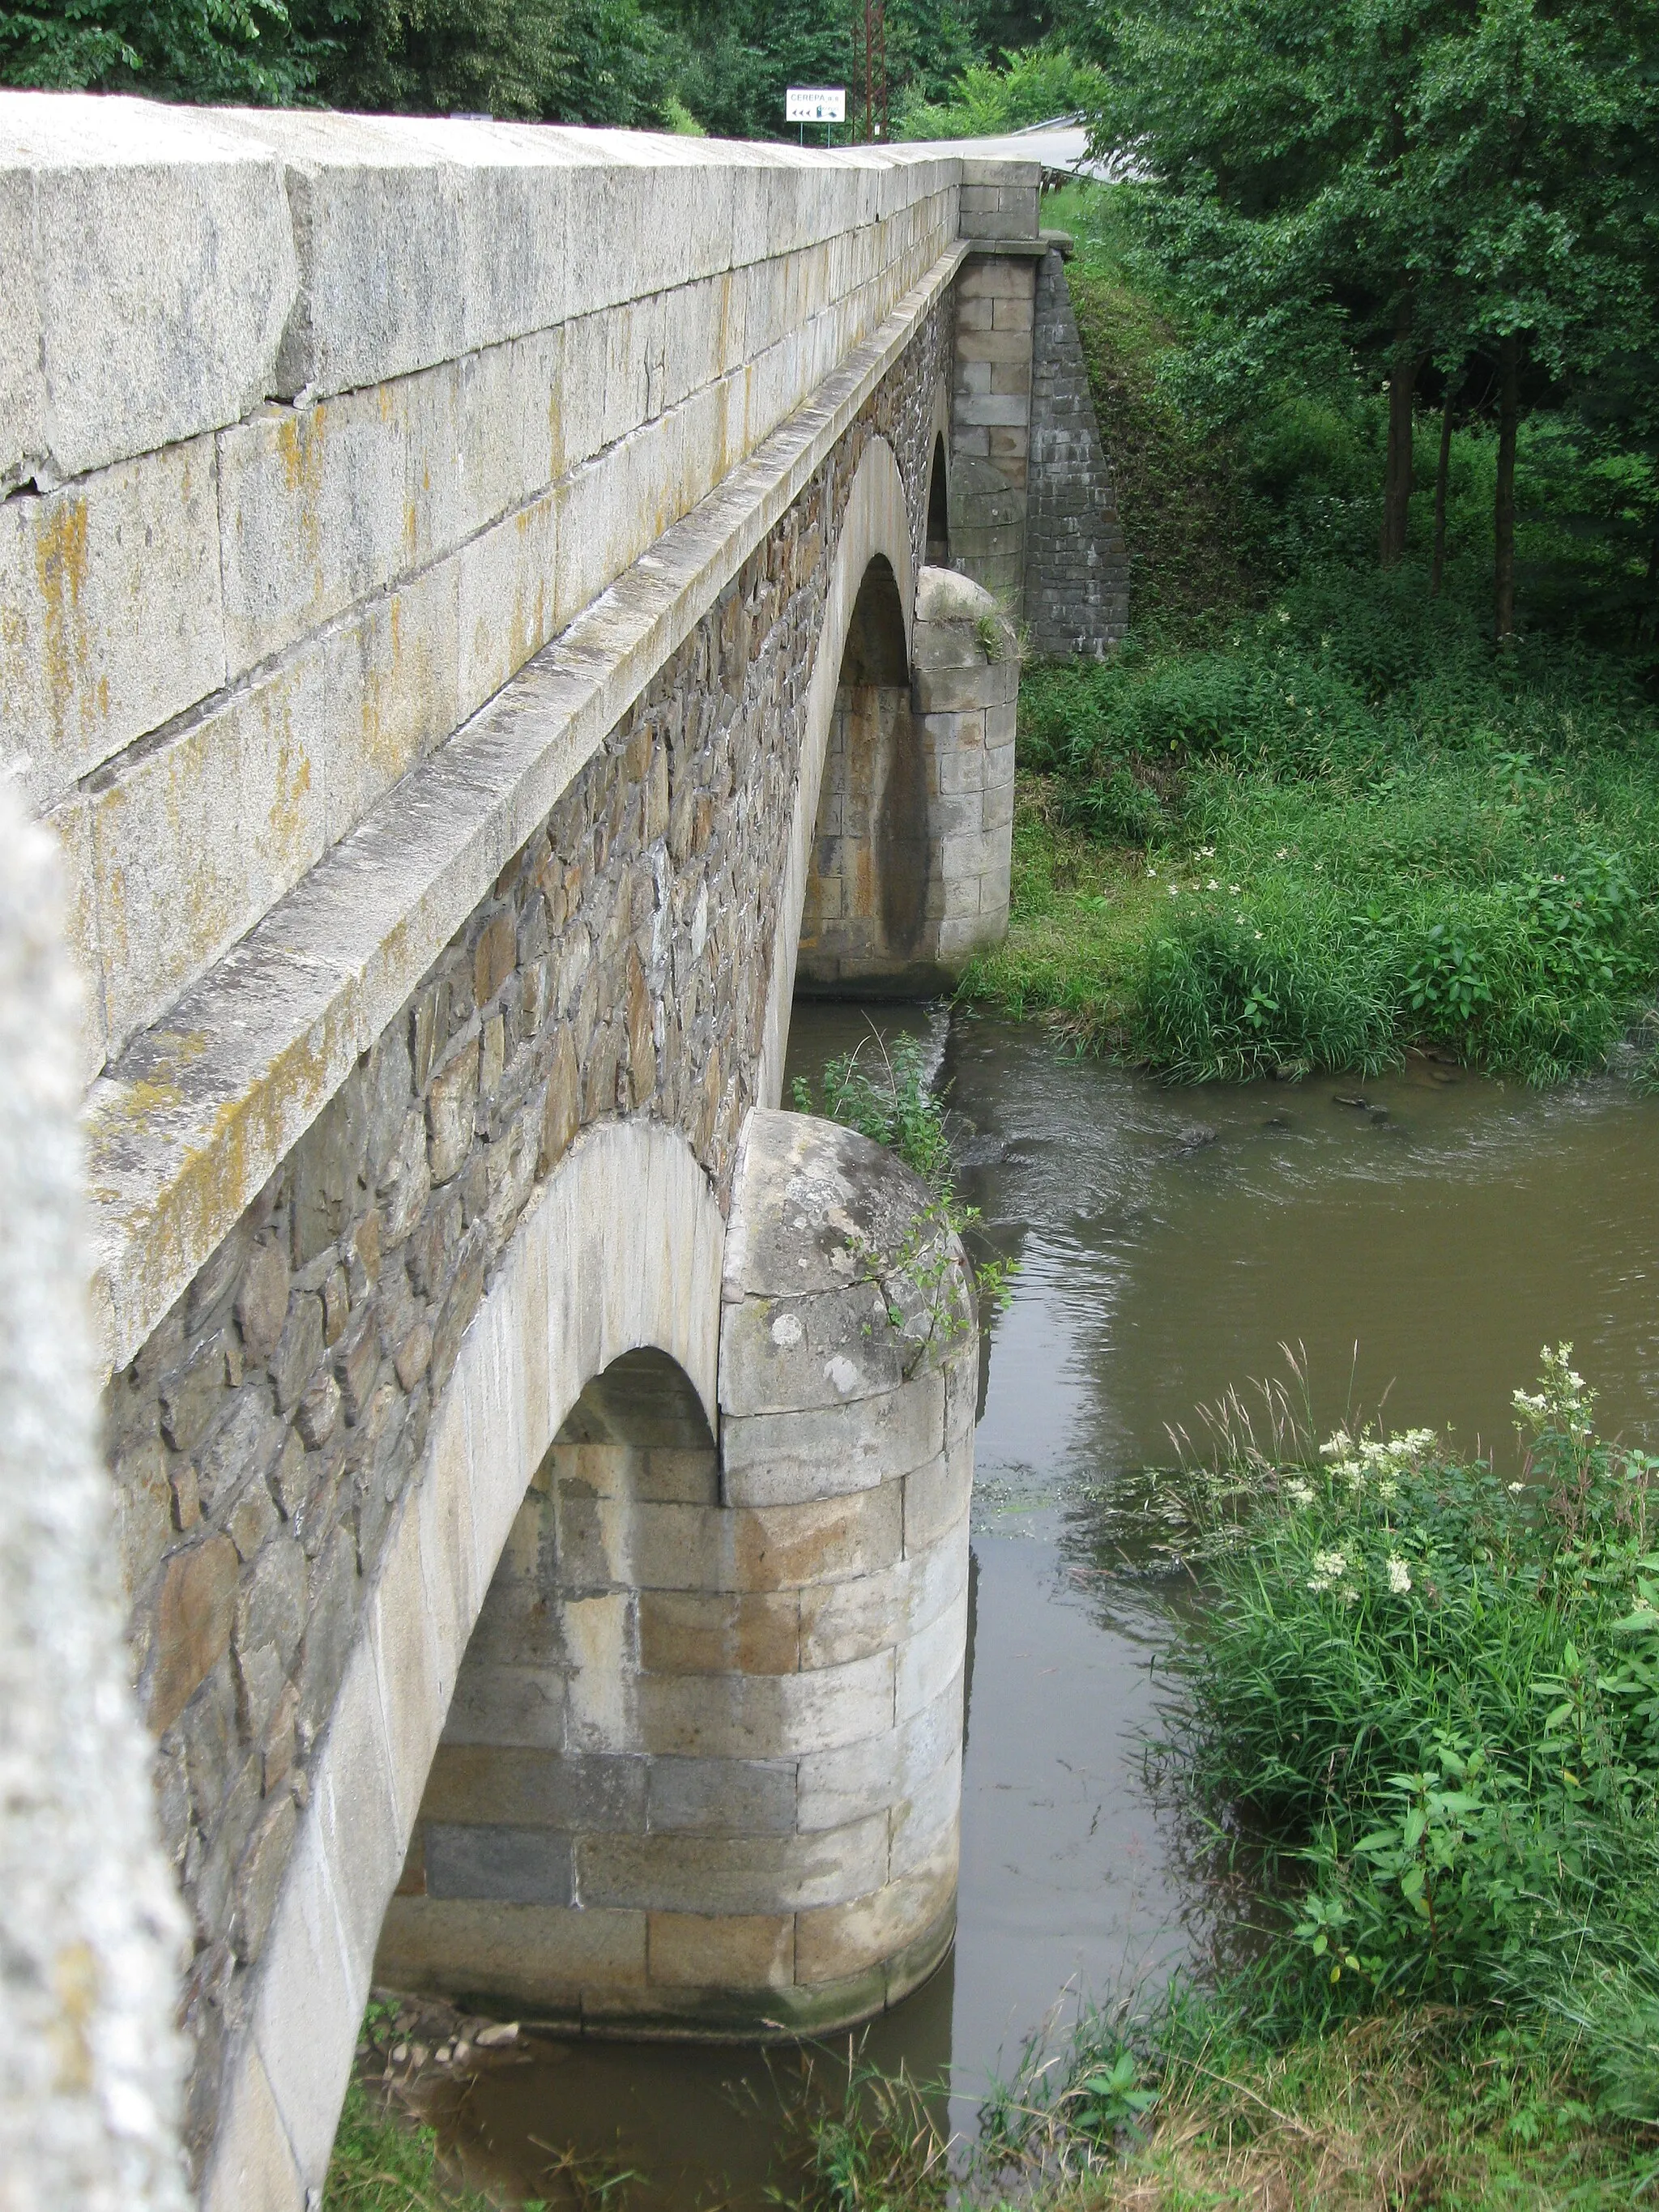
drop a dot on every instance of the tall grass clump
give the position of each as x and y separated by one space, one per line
385 2163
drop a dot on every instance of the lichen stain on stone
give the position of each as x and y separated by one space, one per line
289 816
75 1979
61 565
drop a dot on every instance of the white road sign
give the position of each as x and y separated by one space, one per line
815 104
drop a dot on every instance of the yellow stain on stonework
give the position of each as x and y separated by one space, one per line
61 564
301 440
75 1983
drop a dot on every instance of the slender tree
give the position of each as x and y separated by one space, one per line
1397 180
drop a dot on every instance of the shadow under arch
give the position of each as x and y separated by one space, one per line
876 521
621 1250
544 1796
939 507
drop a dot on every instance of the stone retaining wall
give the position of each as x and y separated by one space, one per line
1077 574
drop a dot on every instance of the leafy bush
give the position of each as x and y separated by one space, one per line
1436 1693
1037 84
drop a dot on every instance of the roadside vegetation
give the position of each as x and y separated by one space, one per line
1313 812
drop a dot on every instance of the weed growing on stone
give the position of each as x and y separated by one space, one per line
885 1095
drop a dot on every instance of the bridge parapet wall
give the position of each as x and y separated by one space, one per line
332 422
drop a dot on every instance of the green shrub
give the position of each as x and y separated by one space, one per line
1036 84
1435 1693
883 1093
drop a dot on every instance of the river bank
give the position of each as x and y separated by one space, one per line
1168 1240
1311 816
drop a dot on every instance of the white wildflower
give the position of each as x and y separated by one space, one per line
1399 1575
1329 1567
1213 884
1337 1446
1387 1490
1516 1489
1299 1493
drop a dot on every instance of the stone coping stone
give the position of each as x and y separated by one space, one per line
183 1130
169 268
945 595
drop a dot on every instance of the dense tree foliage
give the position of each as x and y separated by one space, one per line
1459 197
716 65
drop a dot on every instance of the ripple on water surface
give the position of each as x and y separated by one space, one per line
1170 1242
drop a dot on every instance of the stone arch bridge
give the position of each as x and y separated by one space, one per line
490 613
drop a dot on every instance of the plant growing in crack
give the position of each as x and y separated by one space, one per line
896 1105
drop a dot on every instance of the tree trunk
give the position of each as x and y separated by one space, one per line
1397 472
1443 471
1508 418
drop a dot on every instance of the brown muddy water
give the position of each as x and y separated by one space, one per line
1420 1235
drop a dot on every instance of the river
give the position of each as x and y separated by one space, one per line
1416 1238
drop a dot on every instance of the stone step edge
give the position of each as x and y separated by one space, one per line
186 1128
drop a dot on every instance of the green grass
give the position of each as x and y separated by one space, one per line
384 2163
1309 816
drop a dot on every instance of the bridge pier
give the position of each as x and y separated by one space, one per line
910 853
701 1772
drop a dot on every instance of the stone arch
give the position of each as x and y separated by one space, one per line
939 508
938 482
543 1801
876 522
865 916
622 1249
